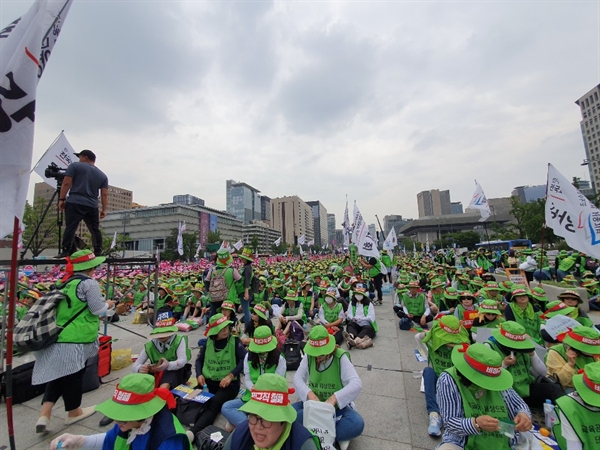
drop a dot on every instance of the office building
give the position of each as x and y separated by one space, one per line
292 217
319 222
330 228
243 201
187 199
528 194
589 106
395 221
265 209
456 208
433 203
265 235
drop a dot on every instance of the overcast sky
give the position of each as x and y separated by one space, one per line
376 100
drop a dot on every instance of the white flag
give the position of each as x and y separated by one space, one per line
301 240
238 245
360 236
114 242
181 228
427 243
346 229
571 215
391 241
60 153
479 201
25 46
198 250
301 251
277 242
311 242
225 246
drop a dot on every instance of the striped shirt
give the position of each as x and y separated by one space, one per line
457 428
59 360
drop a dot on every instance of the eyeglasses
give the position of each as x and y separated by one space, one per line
253 419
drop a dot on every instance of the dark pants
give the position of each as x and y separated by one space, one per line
70 387
213 406
74 214
377 282
401 314
213 308
540 391
360 332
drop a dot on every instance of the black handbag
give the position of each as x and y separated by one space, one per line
188 411
205 442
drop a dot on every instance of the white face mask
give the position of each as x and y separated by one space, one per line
328 300
359 297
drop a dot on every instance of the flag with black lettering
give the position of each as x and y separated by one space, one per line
25 46
60 153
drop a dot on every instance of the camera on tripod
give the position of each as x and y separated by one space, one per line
53 171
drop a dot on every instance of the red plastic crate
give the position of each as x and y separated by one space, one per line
104 355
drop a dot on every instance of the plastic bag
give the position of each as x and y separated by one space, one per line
121 358
139 317
527 441
319 419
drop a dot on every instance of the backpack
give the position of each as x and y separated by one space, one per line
255 284
38 329
218 289
292 352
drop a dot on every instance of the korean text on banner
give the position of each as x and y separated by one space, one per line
60 153
479 201
360 236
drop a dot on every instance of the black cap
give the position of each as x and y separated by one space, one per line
87 153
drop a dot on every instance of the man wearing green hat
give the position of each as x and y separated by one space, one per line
521 310
473 396
142 416
578 412
326 374
272 421
223 285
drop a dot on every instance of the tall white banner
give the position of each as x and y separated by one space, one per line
113 244
301 240
367 246
479 201
571 215
60 153
346 229
25 47
181 228
391 241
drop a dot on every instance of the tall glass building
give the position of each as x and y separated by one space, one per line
243 201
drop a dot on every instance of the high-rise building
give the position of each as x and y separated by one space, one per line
243 201
330 228
265 235
319 222
187 199
589 106
528 194
433 203
395 221
265 209
456 208
293 218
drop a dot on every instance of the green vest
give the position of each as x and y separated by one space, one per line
386 260
583 420
324 384
522 378
532 326
84 329
366 313
439 359
490 404
138 297
161 301
305 304
219 363
171 354
254 374
414 305
260 297
376 269
332 314
438 299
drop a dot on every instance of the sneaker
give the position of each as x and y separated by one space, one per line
349 339
435 425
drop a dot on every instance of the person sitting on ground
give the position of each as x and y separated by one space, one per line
413 306
579 411
362 326
521 310
143 420
262 357
272 421
326 374
466 311
489 316
228 310
579 346
291 314
572 298
259 316
308 301
331 315
529 372
435 296
474 396
194 305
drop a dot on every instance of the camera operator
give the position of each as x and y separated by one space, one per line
82 181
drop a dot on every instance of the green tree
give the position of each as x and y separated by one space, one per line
254 243
462 239
279 249
190 243
213 237
529 222
46 235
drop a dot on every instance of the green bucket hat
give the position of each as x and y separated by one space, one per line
447 330
587 383
518 290
477 281
555 308
83 260
582 338
491 286
539 294
224 258
216 324
136 399
320 342
435 283
506 286
513 335
291 296
591 284
569 279
276 283
162 332
227 305
489 307
401 288
270 399
451 293
260 311
482 366
263 340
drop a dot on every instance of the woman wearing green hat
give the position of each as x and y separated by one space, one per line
271 420
517 350
223 270
521 310
326 374
331 315
579 346
219 364
578 412
490 315
259 316
262 357
62 365
292 311
143 420
474 396
572 298
362 326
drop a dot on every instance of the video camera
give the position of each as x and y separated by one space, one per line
53 171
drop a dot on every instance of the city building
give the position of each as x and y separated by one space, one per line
243 201
266 235
265 209
321 234
339 238
292 217
589 106
585 187
433 203
372 231
528 194
395 221
187 199
456 208
331 230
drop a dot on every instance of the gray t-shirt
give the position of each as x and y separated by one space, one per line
87 182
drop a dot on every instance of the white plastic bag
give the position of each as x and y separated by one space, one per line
527 441
319 419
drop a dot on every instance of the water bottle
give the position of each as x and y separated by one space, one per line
549 414
204 389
